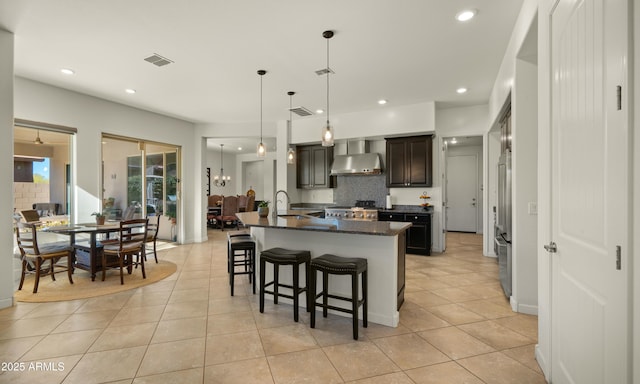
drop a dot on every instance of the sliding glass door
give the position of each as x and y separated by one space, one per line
140 179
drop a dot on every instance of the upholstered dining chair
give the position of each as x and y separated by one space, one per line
35 255
242 203
131 242
228 211
152 234
213 201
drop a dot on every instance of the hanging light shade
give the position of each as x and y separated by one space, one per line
261 150
291 155
327 129
221 180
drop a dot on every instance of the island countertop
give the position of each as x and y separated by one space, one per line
301 220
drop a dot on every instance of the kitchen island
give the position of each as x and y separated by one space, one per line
381 243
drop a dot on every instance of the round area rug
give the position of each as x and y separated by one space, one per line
83 287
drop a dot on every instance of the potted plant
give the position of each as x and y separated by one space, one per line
100 217
263 208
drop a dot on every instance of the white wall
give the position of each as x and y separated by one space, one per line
635 93
6 168
405 120
543 348
92 116
524 297
253 177
492 148
507 82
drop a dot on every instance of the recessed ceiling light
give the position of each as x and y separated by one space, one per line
319 111
453 141
382 101
130 91
67 71
466 15
461 90
239 148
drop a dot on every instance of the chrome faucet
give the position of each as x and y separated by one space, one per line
275 208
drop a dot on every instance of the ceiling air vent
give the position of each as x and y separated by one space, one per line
158 60
324 71
301 111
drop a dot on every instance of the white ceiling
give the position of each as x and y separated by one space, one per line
406 51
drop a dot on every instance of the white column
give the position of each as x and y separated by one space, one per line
6 172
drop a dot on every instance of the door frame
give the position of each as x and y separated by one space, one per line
632 94
483 213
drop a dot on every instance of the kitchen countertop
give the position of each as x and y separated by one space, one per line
301 220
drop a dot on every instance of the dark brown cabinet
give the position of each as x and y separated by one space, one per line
419 234
409 161
314 166
418 239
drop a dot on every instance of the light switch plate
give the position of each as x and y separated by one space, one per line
533 208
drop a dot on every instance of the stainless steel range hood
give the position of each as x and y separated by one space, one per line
357 161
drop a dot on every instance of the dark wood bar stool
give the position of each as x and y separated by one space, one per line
278 257
241 252
337 265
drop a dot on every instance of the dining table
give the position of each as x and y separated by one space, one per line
87 255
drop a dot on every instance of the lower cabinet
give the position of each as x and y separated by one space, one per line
418 239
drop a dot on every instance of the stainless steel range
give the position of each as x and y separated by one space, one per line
364 210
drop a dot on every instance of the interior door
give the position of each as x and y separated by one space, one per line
462 199
589 193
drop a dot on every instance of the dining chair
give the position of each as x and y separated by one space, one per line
35 255
30 215
152 233
228 211
213 202
131 242
242 203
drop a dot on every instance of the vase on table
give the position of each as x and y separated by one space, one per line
263 211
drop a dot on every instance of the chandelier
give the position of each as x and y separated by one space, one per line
221 180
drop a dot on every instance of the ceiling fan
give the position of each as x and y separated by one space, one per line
37 141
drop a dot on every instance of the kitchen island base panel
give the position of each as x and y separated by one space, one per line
381 253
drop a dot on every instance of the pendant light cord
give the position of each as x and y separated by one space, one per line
328 73
261 109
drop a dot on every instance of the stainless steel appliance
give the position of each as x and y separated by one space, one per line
363 210
503 246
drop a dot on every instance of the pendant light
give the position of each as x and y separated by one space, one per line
261 150
291 155
37 141
221 180
327 129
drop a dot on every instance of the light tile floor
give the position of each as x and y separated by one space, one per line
456 327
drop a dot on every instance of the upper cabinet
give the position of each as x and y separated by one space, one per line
314 167
409 161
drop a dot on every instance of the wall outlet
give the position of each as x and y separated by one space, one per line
533 208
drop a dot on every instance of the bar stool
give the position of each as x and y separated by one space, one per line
229 236
246 245
278 257
337 265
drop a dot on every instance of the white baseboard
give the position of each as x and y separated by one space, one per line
542 362
6 303
527 309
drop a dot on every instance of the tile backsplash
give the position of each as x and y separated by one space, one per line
358 187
